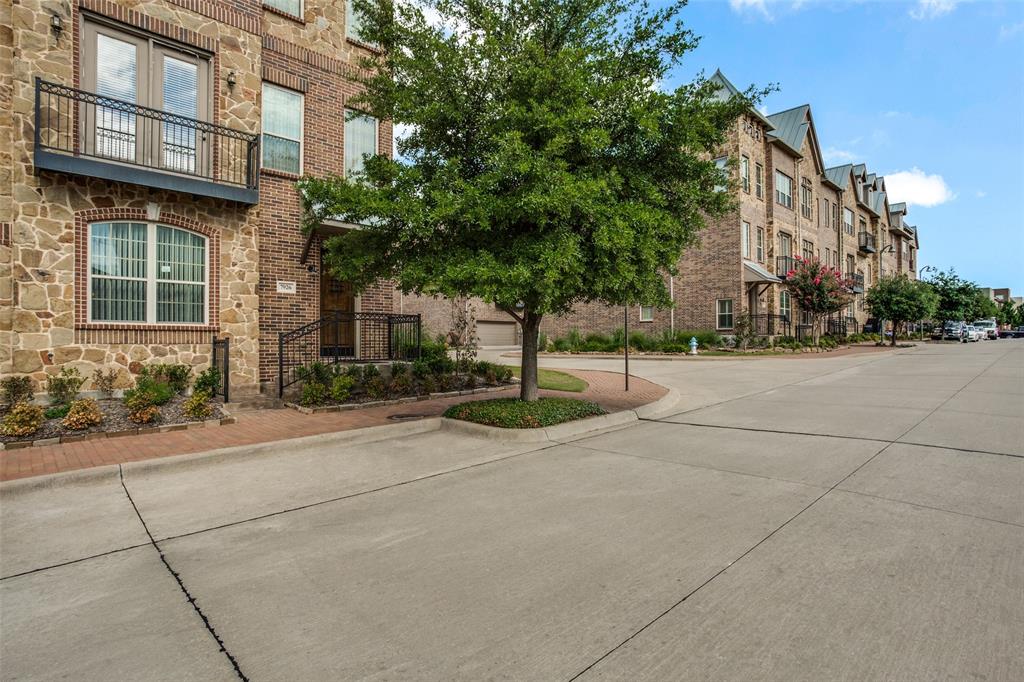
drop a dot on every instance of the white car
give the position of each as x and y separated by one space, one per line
972 333
988 327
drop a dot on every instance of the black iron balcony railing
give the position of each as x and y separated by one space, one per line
783 265
88 134
856 280
348 338
769 324
866 242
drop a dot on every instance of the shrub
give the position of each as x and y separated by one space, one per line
542 341
197 406
313 393
57 411
706 338
104 381
574 339
371 372
83 414
431 350
208 381
160 393
428 384
24 419
399 368
355 372
400 385
491 377
375 387
145 415
512 413
316 372
16 390
470 381
176 376
561 345
445 382
505 374
63 388
674 348
421 369
341 388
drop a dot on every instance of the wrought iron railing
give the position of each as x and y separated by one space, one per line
841 326
347 338
220 358
769 324
783 265
81 124
866 242
856 279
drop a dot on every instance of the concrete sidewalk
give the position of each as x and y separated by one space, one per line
843 519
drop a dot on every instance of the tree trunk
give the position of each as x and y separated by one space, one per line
531 327
895 324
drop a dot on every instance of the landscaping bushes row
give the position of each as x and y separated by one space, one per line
158 395
667 342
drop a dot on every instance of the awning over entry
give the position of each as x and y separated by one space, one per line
327 228
754 273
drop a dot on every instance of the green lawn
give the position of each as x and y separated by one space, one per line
556 381
512 413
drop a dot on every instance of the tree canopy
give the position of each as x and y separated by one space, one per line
956 296
543 164
900 299
818 289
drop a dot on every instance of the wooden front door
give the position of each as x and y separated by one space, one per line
337 339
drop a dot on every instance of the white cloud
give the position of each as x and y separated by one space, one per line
931 9
1007 32
918 188
981 194
836 156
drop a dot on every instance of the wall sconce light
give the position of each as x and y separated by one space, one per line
231 79
56 24
311 269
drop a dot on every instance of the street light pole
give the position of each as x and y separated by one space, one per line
920 273
625 327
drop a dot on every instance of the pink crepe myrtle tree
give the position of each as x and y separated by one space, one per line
819 290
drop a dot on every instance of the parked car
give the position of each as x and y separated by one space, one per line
989 327
972 333
950 330
1017 333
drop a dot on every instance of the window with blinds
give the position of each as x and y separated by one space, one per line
360 140
146 273
282 129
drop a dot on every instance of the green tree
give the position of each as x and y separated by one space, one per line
1010 314
543 167
981 307
818 289
900 299
955 297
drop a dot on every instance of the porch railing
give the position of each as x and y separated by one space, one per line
866 242
769 324
857 280
344 337
783 264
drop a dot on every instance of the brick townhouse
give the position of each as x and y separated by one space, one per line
788 204
147 184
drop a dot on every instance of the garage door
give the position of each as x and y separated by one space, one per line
496 333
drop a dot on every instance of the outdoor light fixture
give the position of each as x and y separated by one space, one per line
231 79
57 24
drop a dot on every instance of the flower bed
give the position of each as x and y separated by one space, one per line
512 413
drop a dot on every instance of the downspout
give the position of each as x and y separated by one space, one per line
672 310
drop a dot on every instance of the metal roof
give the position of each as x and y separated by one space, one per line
839 175
791 126
753 272
901 207
728 90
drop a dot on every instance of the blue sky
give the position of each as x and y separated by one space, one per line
929 93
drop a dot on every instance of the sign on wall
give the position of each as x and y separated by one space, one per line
285 287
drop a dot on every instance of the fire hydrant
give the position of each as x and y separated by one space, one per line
693 345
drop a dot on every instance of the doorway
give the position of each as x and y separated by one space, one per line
337 308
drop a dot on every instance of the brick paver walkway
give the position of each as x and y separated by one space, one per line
605 388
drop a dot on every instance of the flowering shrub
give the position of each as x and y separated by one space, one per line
818 290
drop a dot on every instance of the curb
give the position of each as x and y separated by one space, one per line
235 453
568 431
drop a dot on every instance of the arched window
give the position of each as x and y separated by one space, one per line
147 273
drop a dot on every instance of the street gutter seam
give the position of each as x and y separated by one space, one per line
191 600
73 561
784 524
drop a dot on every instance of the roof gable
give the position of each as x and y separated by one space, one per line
727 90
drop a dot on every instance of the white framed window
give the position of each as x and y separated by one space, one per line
785 304
147 273
806 199
848 221
724 310
760 245
722 164
759 180
282 129
360 140
293 7
783 189
354 23
745 238
647 313
745 173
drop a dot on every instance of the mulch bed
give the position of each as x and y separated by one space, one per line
115 421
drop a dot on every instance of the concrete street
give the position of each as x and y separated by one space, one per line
792 518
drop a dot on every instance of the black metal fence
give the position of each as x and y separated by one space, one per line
220 357
348 338
767 324
866 242
84 124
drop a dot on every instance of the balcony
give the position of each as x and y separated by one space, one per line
783 264
866 242
856 279
90 135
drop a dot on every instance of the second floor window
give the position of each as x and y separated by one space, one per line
783 189
760 245
785 245
360 140
292 7
354 23
745 173
805 199
282 129
745 238
848 221
759 180
808 250
864 226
